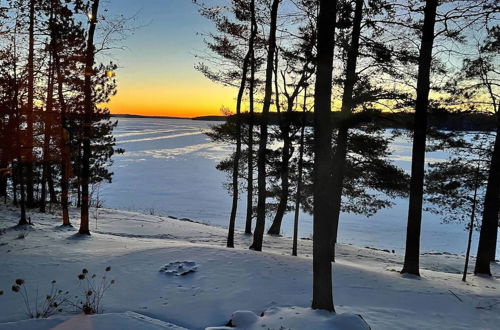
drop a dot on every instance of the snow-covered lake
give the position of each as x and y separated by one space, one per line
169 169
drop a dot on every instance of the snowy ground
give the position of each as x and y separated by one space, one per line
138 247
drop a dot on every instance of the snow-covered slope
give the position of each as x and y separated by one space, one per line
137 247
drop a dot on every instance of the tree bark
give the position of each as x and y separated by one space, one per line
322 269
489 229
340 155
261 156
87 123
412 252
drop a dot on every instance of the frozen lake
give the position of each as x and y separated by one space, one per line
169 169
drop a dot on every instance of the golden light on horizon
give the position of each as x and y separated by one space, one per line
181 99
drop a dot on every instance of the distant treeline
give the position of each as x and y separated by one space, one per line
452 121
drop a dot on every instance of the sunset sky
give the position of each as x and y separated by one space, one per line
157 75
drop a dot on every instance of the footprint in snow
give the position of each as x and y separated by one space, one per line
179 268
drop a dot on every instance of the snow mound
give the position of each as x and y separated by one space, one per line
179 268
111 321
296 318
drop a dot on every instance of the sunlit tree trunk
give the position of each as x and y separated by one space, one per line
412 252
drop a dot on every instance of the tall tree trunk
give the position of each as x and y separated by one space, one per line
30 199
260 224
340 155
412 252
237 154
64 138
298 194
46 139
20 168
489 229
87 123
322 232
249 216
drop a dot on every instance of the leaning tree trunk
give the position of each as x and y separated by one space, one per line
249 216
339 158
412 252
322 269
285 182
237 154
87 122
261 156
489 230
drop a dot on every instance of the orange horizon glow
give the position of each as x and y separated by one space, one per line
181 98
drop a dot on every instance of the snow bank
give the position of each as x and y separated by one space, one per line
295 318
112 321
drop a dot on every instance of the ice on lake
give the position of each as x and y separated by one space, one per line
169 169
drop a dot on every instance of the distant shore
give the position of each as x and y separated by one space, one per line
206 118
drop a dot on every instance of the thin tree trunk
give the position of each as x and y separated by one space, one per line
340 155
20 168
322 269
87 123
275 228
65 152
249 217
261 156
471 223
489 229
30 200
237 154
298 194
46 139
412 252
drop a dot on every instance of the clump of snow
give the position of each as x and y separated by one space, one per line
179 268
295 318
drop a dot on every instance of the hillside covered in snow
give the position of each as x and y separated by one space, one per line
172 274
